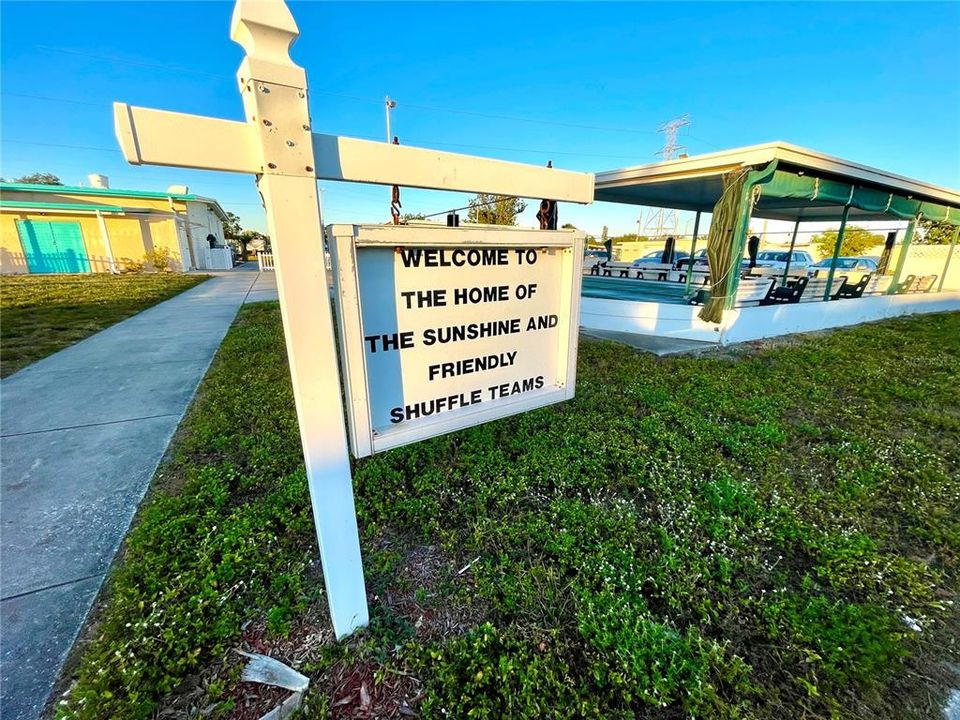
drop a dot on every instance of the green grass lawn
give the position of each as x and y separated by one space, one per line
772 532
41 314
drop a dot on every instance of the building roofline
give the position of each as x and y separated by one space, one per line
14 205
794 155
111 192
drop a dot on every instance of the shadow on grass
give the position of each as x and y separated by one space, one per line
44 314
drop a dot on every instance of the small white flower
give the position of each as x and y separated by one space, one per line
912 624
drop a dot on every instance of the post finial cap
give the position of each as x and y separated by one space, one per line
265 29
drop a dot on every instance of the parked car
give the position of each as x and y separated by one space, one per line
699 258
594 257
654 257
848 264
777 260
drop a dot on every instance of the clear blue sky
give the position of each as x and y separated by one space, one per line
870 82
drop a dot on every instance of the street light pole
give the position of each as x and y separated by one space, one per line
390 104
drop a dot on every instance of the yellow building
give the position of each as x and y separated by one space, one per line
55 228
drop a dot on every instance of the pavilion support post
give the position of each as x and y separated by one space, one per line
693 249
793 242
902 257
836 252
946 265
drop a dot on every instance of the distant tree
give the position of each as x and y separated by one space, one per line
231 226
604 235
249 242
630 237
929 232
488 209
40 178
253 236
856 241
407 217
568 226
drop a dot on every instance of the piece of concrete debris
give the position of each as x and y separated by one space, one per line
468 565
951 711
285 709
269 671
406 710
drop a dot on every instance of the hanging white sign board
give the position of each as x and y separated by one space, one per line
444 328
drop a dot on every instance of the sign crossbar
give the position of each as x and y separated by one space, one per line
160 137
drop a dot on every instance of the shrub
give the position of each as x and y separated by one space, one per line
842 643
491 674
129 265
636 660
159 258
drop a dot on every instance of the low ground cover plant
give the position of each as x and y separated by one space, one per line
769 532
42 314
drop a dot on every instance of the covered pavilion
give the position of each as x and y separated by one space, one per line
780 181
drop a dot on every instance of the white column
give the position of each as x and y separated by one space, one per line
106 241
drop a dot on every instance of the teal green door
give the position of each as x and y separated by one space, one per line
53 247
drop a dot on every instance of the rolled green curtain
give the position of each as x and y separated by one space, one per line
720 242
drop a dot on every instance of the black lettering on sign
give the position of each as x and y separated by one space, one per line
424 298
392 341
520 386
471 365
526 291
542 322
435 406
458 257
526 256
475 295
470 331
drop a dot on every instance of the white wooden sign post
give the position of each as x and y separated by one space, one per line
277 145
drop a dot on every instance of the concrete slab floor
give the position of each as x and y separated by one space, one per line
82 434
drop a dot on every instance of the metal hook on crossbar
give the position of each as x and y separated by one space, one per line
395 204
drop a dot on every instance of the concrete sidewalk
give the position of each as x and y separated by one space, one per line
82 434
265 288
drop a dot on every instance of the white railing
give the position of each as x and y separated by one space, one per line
265 261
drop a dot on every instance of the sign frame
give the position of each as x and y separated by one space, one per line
344 242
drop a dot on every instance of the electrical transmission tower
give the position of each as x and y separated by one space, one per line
662 221
670 129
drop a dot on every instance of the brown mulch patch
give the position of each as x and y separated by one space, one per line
356 694
424 568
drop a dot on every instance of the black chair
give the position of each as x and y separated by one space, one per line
851 290
906 286
785 294
700 297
